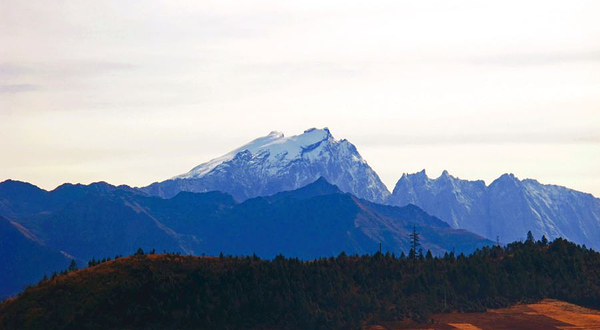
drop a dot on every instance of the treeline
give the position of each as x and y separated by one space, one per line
94 262
343 292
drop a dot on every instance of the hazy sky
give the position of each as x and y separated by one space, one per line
139 91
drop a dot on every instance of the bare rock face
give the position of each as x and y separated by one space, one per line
507 208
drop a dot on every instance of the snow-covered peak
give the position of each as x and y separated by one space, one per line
275 163
276 146
277 134
506 179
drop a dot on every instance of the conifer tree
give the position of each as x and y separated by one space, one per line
72 266
529 236
429 255
414 243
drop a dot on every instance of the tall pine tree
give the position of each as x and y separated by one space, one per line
414 243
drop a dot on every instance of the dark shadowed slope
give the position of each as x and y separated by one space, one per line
21 199
314 221
24 259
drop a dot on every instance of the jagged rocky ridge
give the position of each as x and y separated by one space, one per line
277 163
506 209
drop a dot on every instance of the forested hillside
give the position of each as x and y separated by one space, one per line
344 292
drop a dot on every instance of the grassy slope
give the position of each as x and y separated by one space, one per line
548 314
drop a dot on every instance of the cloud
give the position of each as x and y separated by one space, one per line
11 70
18 88
546 58
483 138
62 69
47 73
302 69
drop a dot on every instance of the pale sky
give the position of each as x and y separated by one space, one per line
132 92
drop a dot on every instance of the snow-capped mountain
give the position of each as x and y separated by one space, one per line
275 163
507 208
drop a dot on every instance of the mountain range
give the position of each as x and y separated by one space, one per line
101 220
504 210
304 196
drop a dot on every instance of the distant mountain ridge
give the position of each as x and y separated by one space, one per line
507 208
183 223
275 163
317 220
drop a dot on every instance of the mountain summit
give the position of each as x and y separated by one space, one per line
275 163
507 208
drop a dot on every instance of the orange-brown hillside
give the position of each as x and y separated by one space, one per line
548 314
88 291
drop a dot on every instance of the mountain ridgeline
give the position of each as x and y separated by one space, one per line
507 208
318 220
343 292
